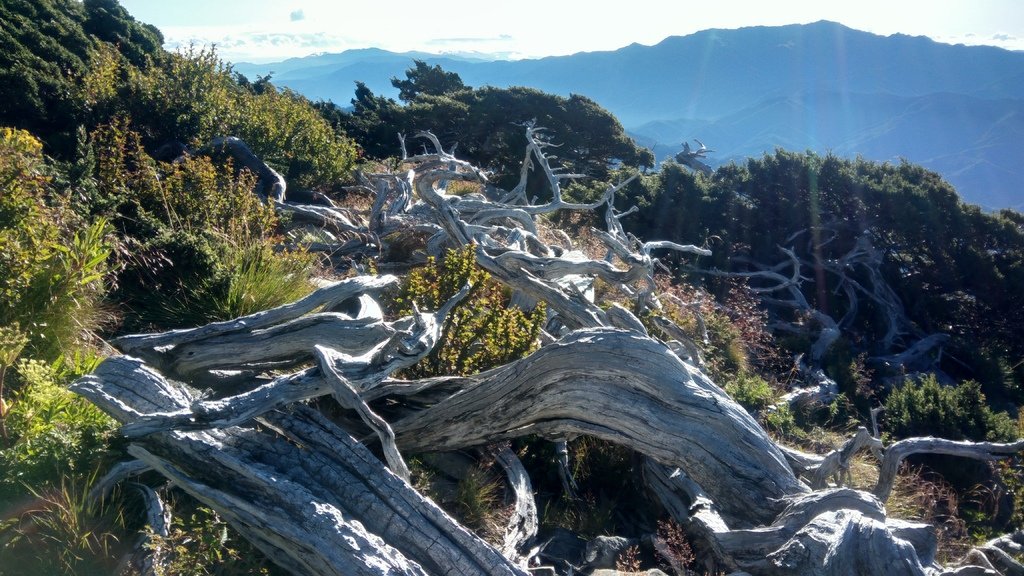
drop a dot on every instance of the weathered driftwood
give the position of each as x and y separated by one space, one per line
694 159
826 532
152 347
413 339
522 526
898 451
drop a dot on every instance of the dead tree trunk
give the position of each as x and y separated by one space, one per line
297 486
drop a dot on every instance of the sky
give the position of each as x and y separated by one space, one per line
271 30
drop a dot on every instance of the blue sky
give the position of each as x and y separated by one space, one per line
267 30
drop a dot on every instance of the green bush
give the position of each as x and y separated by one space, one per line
480 333
927 408
781 420
193 96
751 391
50 278
197 241
50 432
201 543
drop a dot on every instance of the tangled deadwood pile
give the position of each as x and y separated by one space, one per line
307 489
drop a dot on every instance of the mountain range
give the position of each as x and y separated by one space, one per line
958 110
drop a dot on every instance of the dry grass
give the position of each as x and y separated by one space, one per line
578 226
917 494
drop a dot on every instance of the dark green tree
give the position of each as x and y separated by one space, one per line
424 79
486 124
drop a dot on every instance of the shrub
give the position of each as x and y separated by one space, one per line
483 331
201 543
288 133
781 420
927 408
196 241
50 278
751 391
193 96
51 431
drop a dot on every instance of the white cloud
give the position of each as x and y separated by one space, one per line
241 45
1000 40
297 15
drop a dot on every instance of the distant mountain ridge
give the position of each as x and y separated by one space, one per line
958 110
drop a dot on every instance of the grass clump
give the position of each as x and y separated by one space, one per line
478 502
61 531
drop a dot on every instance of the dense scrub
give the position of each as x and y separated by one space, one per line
101 232
954 269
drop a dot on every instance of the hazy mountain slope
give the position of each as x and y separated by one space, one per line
821 86
712 73
974 142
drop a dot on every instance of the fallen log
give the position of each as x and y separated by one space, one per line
297 486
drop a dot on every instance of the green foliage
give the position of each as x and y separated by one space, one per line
424 79
487 124
50 278
956 269
287 132
197 239
751 391
483 331
781 420
50 432
201 543
927 408
193 96
757 395
1011 472
45 46
26 230
108 21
